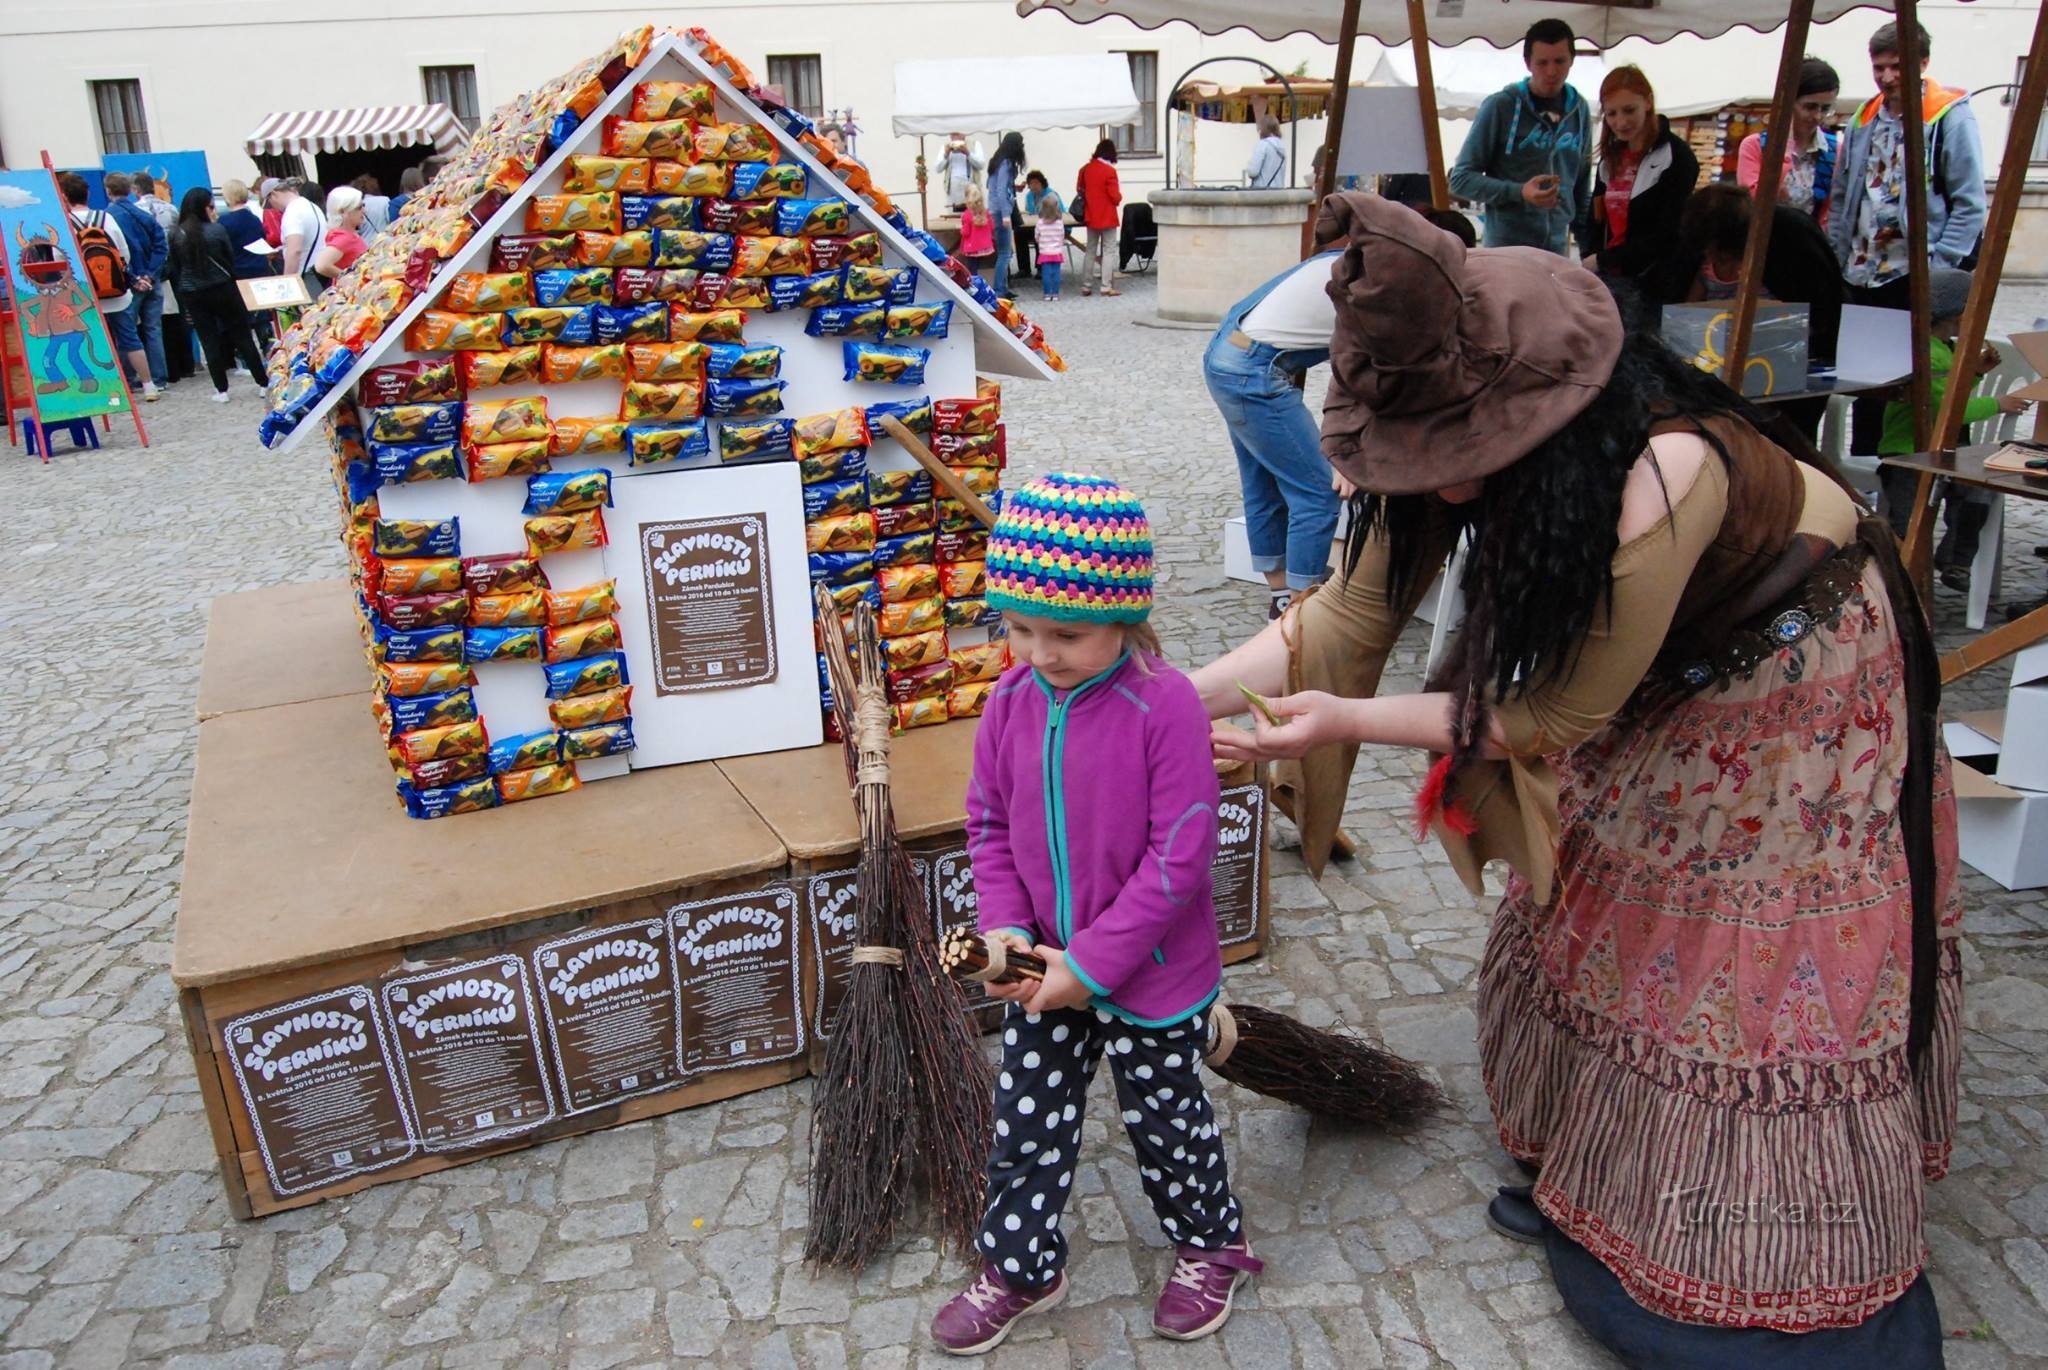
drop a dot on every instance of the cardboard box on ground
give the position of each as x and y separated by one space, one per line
2001 779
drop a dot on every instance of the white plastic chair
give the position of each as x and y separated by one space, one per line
2010 374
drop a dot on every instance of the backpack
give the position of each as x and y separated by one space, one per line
103 264
1078 206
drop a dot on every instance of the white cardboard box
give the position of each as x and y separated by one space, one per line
2001 831
2023 753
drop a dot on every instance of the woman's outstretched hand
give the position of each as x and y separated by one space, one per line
1307 720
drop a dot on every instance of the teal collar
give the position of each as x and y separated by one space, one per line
1053 694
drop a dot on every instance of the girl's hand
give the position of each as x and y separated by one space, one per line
1061 988
1341 484
1017 992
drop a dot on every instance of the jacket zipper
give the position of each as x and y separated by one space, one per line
1053 762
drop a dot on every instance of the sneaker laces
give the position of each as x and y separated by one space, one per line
1189 1272
983 1293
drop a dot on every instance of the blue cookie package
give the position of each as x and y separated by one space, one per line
431 711
885 363
464 797
916 415
403 463
419 644
599 739
525 751
416 537
838 320
630 322
586 675
743 399
842 568
501 644
414 422
568 492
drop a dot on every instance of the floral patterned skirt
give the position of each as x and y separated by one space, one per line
1701 1039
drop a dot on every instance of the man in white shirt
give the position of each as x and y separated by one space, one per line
301 232
115 311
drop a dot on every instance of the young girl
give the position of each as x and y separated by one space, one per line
977 229
1091 816
1051 235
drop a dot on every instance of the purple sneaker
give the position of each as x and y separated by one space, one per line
980 1316
1196 1300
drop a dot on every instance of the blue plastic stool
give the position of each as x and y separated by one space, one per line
83 435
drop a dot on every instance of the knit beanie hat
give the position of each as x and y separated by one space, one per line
1072 547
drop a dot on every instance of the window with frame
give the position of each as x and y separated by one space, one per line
802 78
118 107
454 87
1140 137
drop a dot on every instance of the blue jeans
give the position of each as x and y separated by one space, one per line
148 313
126 339
1290 511
1049 277
1006 245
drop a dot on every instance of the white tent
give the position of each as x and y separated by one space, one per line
1467 74
996 94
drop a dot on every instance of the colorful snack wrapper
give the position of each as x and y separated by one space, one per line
920 713
760 181
588 638
972 449
924 682
987 661
646 137
603 739
918 320
964 579
955 517
740 361
615 249
586 675
839 320
488 292
420 576
596 211
405 463
720 290
770 257
450 770
416 537
456 704
666 401
417 644
587 437
511 420
898 487
525 751
889 284
560 365
770 438
748 218
502 643
743 399
414 382
830 254
971 545
894 520
565 532
650 443
569 492
732 143
834 431
717 325
835 497
917 649
532 251
565 607
513 366
681 246
536 783
971 613
586 711
638 285
444 330
683 361
565 324
415 423
672 100
901 551
512 609
969 701
849 463
982 480
629 322
885 363
813 218
844 597
841 533
621 175
400 679
901 584
637 212
502 574
569 287
466 797
908 616
803 292
916 415
701 179
842 568
978 415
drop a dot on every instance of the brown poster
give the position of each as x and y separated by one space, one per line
737 999
469 1052
316 1077
1234 877
954 905
608 995
833 898
710 615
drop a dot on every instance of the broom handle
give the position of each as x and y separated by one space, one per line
954 487
968 951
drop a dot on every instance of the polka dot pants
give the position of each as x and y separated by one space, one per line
1048 1060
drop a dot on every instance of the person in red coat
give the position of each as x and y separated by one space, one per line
1102 210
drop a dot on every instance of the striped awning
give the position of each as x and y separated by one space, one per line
353 130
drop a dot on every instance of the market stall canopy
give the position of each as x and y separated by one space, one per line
1453 21
355 130
1213 103
995 94
1467 74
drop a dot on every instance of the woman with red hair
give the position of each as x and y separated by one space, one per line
1645 174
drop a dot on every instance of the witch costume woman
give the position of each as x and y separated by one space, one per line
1692 707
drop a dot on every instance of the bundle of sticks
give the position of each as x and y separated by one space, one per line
1334 1077
905 1105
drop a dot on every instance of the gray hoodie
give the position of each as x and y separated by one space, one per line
1511 142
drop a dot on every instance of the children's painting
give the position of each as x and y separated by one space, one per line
57 322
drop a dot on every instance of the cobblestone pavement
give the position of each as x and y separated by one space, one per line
677 1239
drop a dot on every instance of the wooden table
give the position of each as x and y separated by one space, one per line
1966 466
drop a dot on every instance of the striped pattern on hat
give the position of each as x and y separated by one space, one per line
1072 547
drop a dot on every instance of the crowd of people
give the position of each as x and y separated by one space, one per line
1013 223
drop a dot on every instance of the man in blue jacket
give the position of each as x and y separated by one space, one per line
149 250
1526 158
